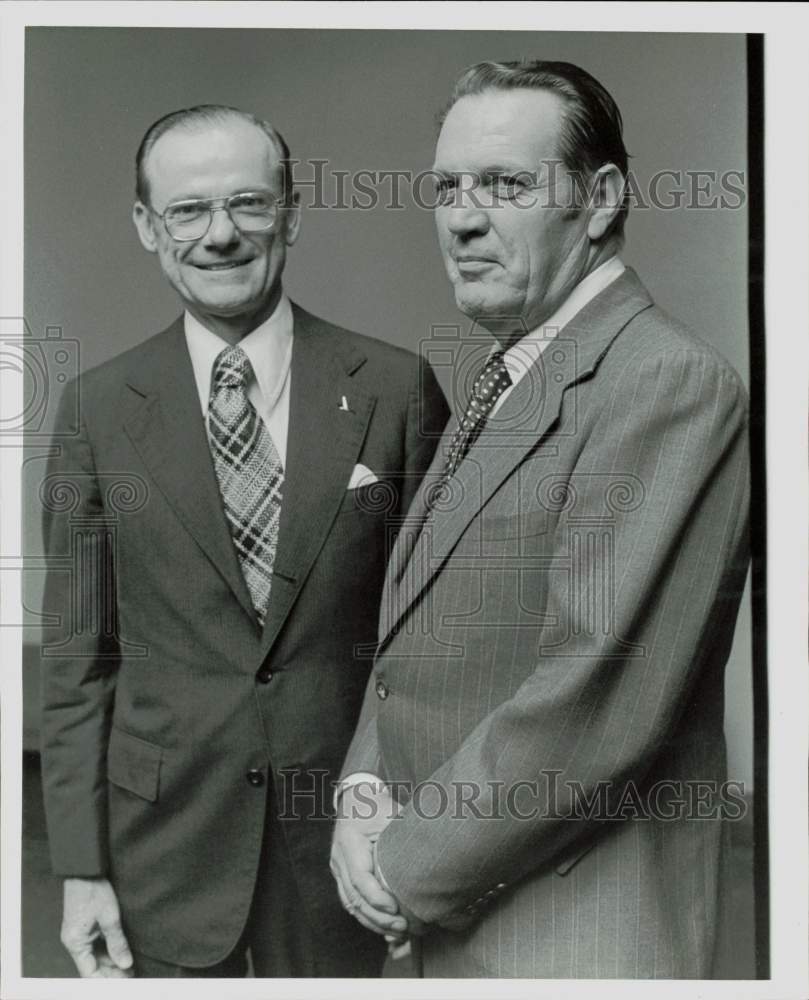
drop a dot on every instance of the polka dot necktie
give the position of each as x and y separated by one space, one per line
249 472
489 386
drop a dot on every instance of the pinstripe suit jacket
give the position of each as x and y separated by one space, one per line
549 682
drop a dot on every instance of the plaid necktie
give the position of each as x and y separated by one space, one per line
249 471
489 386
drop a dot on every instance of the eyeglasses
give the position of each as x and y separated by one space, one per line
249 211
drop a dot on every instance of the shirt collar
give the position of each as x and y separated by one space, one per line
269 348
522 355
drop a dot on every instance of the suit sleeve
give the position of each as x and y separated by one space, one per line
79 655
675 426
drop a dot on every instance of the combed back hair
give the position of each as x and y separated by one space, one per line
198 117
592 128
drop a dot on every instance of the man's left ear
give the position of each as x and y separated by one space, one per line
606 200
292 222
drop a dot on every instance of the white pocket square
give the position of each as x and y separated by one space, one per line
361 476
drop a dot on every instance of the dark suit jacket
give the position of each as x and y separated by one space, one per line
564 619
163 733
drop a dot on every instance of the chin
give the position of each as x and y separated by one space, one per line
479 306
228 306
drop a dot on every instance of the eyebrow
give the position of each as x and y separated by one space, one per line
489 174
492 170
261 189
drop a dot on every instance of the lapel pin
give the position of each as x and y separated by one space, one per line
344 405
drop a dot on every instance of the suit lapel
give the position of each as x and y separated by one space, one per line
323 445
168 431
515 430
525 418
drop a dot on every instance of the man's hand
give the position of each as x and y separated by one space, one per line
91 929
364 812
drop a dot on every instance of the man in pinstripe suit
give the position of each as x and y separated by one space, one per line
545 714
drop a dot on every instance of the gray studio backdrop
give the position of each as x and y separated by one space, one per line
359 100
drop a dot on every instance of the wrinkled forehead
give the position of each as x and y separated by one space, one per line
517 128
212 160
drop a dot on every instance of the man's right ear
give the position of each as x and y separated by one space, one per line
144 224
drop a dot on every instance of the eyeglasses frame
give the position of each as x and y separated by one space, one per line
217 205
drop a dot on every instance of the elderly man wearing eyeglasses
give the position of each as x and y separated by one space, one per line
192 735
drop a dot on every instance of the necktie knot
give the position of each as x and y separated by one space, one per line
232 368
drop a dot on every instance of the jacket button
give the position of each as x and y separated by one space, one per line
382 690
264 676
255 777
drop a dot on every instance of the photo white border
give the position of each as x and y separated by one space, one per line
787 360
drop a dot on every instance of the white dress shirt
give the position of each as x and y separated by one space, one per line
269 348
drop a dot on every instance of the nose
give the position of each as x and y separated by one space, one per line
467 219
221 232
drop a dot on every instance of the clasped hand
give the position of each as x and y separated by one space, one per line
364 810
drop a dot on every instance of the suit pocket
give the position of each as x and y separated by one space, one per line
529 524
134 764
573 859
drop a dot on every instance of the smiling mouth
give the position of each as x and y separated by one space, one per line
228 265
